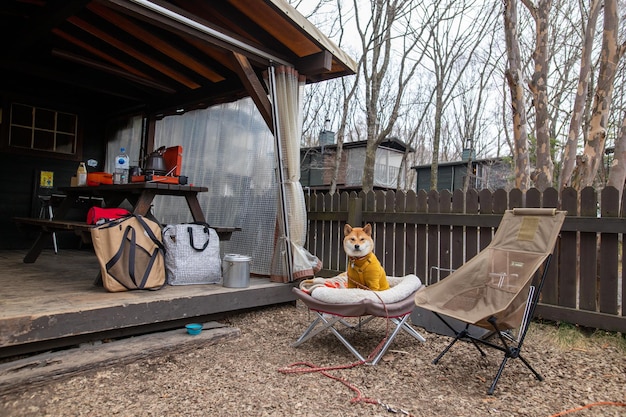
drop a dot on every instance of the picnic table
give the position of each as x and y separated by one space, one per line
139 195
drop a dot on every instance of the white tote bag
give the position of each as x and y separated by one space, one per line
192 254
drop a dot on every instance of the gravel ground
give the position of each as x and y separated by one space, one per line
241 377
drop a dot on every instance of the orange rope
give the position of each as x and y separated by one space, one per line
571 410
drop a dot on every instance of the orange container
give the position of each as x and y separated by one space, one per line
97 178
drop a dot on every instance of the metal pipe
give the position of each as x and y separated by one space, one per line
209 31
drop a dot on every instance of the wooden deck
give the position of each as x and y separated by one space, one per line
54 303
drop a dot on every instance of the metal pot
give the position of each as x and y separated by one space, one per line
155 163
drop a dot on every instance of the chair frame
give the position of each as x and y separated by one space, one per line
329 321
511 349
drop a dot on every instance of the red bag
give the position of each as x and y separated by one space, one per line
99 215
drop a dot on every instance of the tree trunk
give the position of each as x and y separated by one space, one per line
518 108
617 173
434 164
594 148
568 162
542 177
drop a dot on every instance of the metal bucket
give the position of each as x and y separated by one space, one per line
236 271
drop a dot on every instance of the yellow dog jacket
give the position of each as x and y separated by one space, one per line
368 272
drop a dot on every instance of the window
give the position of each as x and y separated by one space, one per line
42 129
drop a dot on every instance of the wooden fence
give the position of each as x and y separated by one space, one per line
416 231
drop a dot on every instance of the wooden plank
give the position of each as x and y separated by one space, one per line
591 319
458 206
486 206
445 233
433 233
568 276
399 238
318 246
41 369
609 202
156 42
422 230
379 228
550 287
388 257
516 198
410 242
588 254
500 201
327 232
533 198
471 232
344 204
124 47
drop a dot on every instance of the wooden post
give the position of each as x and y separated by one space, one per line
355 212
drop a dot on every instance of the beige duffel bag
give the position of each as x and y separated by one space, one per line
131 254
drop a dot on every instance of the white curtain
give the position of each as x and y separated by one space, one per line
292 220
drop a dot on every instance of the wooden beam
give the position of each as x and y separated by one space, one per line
156 42
315 63
254 87
111 70
95 51
124 47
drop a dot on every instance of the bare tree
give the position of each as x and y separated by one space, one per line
450 49
593 152
515 80
387 40
571 145
542 176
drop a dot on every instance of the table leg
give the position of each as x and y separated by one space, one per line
194 207
144 202
35 250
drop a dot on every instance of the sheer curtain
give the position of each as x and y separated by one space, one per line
229 149
292 216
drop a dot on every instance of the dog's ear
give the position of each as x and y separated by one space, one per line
347 229
368 229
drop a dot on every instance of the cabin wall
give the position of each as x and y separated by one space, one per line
20 179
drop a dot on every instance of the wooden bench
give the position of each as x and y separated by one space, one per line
82 229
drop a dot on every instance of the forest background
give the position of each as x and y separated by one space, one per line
538 83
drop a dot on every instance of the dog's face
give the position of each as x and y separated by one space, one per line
357 241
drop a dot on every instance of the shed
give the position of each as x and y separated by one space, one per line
74 71
318 163
488 173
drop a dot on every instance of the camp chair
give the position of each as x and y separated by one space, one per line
333 305
494 290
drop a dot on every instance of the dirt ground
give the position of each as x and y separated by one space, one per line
240 377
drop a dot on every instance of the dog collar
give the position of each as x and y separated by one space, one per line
354 259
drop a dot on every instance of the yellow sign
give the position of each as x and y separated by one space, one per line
46 180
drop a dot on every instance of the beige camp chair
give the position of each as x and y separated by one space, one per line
494 290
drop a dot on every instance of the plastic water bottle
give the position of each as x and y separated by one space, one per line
122 168
81 175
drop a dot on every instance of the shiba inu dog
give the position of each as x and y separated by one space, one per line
364 269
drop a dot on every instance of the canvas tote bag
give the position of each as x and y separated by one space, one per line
131 254
192 254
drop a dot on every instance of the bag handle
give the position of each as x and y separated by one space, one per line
149 231
205 230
